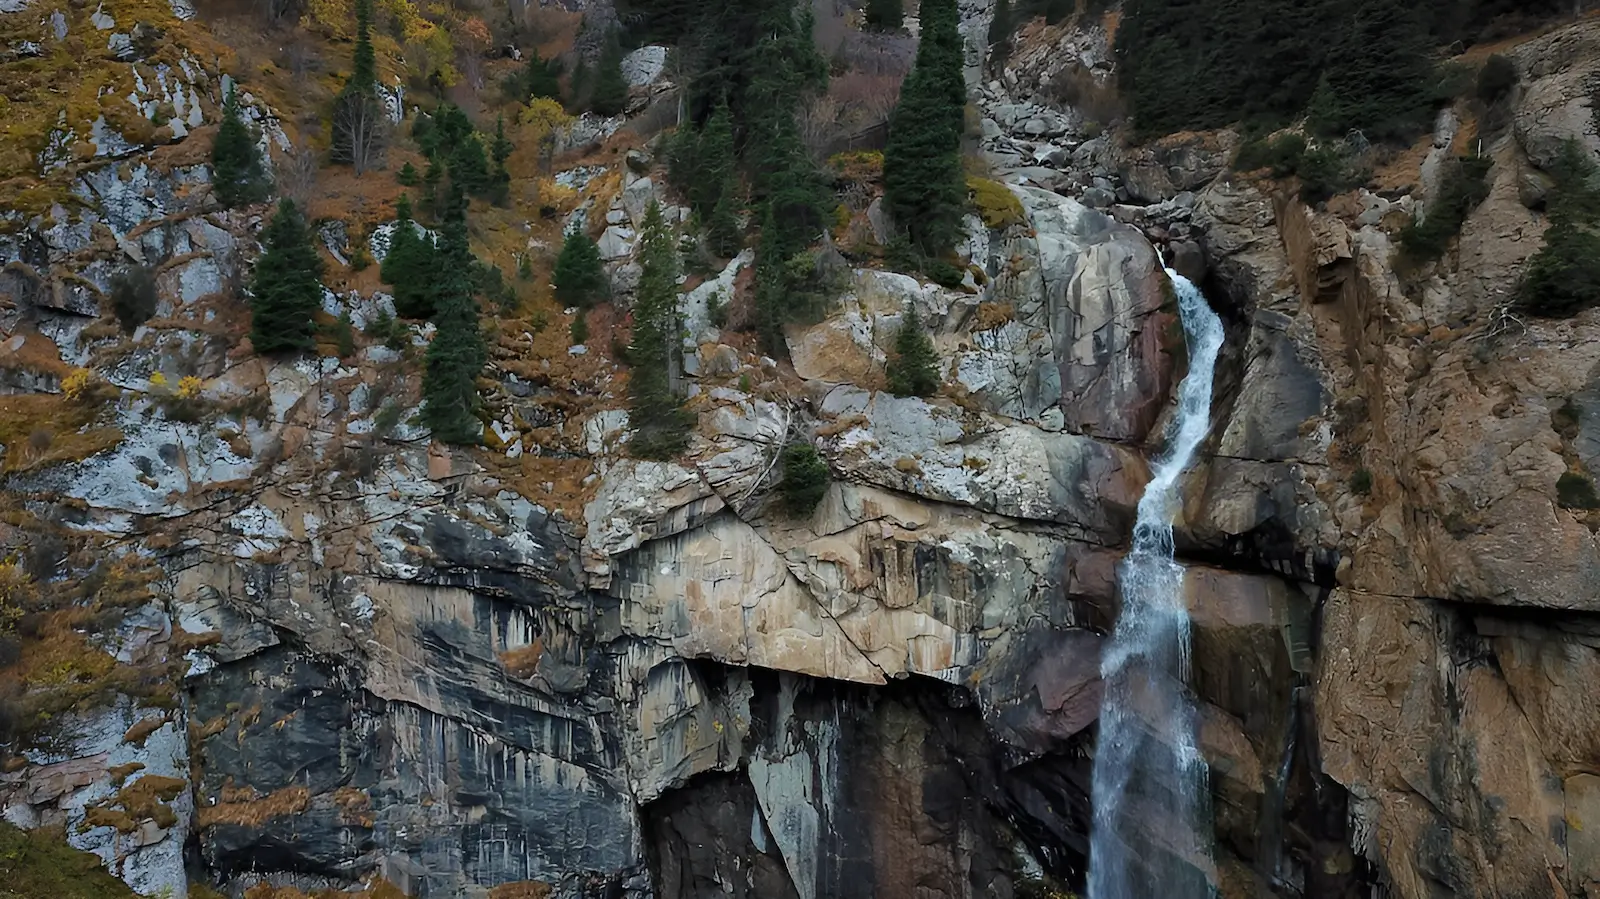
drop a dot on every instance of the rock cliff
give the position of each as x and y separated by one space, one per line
331 649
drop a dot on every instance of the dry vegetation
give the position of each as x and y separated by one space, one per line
244 807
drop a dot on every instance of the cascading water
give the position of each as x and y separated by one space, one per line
1151 801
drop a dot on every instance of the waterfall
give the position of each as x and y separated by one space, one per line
1150 837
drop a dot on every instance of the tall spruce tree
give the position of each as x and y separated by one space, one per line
660 423
360 123
999 36
884 15
914 368
286 286
717 179
469 167
784 68
579 276
456 355
924 184
540 78
237 176
409 265
610 94
500 151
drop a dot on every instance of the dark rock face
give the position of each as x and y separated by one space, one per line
907 796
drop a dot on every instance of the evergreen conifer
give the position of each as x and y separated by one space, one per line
924 184
500 151
359 120
656 413
431 180
286 286
884 15
540 78
469 167
805 478
409 266
1000 28
456 355
237 176
717 178
784 68
364 63
914 368
1379 75
408 176
579 277
610 94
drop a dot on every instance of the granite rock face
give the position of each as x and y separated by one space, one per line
543 661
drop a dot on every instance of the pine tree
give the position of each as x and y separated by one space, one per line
286 286
610 95
924 184
407 175
409 266
237 176
885 15
456 355
579 277
914 368
660 423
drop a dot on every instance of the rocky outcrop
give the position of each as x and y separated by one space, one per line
542 661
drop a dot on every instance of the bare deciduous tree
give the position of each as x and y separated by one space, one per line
296 174
361 124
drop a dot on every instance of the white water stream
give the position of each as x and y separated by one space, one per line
1151 838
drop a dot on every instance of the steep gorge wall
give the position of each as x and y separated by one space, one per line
661 686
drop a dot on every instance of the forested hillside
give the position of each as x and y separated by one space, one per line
1371 65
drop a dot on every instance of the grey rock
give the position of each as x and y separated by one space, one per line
1098 198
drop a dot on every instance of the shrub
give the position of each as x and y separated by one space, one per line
1496 79
1361 482
1461 189
805 478
133 296
1576 491
1563 278
1325 171
884 15
995 203
717 310
943 272
1281 154
580 329
387 419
